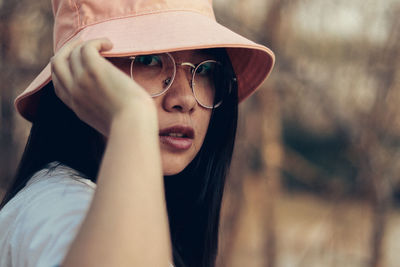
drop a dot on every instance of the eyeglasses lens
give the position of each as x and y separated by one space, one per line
205 83
153 72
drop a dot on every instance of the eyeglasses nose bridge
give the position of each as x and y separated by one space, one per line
192 69
191 65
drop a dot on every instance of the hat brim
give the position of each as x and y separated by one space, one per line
167 32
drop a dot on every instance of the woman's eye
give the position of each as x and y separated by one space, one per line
204 69
148 60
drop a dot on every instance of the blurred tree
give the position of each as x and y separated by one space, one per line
25 31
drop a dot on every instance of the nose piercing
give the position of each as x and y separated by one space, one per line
167 81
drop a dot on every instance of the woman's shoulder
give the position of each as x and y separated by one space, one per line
40 221
56 185
56 173
54 182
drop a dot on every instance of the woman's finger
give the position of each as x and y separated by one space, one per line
60 90
84 60
75 63
60 66
91 50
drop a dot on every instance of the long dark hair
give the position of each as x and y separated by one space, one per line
193 196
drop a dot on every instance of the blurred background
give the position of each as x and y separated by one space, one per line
315 177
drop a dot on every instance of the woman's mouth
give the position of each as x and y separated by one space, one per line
177 137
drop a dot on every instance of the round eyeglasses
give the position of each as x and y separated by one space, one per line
156 73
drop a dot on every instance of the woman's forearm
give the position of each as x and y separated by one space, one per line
127 222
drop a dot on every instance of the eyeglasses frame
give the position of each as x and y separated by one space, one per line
193 69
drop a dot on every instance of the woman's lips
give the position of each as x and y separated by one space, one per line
179 143
178 137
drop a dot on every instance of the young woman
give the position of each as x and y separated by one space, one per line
133 128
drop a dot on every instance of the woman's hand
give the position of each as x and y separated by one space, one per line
94 88
111 102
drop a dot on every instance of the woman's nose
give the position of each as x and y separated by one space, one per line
179 96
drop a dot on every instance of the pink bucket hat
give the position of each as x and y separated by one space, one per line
150 26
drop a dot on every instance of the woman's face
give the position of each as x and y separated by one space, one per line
182 122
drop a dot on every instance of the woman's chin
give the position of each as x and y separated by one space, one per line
172 170
173 165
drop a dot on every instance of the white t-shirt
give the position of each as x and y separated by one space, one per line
39 223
